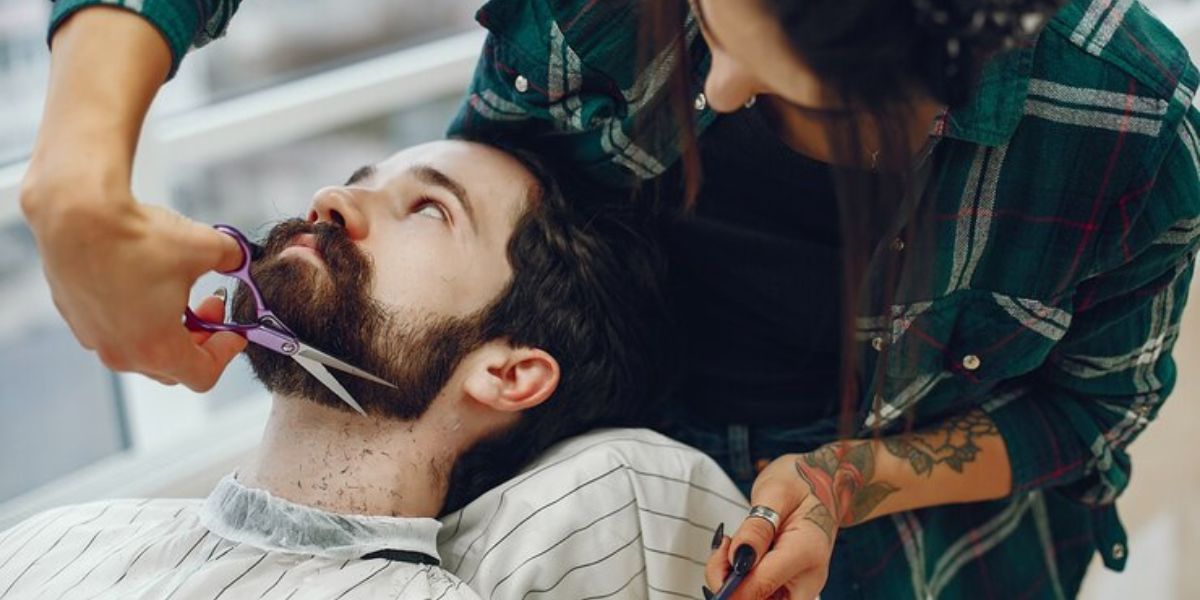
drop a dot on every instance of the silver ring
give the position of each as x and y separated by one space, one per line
765 513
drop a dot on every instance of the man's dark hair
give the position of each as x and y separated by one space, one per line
585 288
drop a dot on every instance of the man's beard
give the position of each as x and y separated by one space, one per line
330 308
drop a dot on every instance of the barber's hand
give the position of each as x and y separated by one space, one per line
814 495
120 273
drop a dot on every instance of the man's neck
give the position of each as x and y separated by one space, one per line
342 462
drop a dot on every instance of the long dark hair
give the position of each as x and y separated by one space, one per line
875 58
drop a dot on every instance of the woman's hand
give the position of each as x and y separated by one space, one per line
119 271
960 459
814 494
120 274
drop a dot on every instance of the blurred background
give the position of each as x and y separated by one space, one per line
296 96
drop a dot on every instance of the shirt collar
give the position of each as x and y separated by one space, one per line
256 518
991 115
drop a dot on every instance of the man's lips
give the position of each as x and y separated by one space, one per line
303 243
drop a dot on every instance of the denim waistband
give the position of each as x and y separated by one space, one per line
742 450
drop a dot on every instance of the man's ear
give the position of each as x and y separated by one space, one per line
508 379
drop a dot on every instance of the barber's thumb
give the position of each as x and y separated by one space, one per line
229 252
209 249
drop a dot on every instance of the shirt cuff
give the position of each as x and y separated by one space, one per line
1043 447
177 22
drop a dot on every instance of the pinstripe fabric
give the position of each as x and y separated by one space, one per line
612 514
159 549
633 515
1062 220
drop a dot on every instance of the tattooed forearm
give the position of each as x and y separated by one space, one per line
849 487
952 443
842 478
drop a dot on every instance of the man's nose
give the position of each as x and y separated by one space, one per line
341 206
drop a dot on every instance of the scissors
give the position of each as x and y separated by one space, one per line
270 333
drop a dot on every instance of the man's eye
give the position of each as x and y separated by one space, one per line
431 209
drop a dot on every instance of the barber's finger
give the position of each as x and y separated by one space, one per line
212 309
224 346
717 570
780 494
196 366
798 565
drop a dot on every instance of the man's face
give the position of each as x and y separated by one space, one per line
391 272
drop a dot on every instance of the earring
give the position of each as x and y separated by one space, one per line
750 103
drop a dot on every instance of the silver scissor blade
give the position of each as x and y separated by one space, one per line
313 354
323 375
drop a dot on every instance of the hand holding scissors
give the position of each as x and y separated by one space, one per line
735 573
270 333
783 547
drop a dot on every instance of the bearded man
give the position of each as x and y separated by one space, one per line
508 322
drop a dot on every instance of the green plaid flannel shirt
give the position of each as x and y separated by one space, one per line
1066 208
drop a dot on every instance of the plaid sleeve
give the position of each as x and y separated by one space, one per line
182 23
493 106
1109 375
563 79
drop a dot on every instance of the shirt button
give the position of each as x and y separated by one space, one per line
1118 551
877 344
521 84
701 101
970 362
897 245
761 464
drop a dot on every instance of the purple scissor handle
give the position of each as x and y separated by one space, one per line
270 333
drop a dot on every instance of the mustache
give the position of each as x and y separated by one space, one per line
339 252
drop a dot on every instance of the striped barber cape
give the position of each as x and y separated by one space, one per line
612 514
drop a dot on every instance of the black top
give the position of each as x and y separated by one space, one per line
754 279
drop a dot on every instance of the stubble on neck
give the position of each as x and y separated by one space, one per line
339 461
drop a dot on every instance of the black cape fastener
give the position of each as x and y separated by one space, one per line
407 556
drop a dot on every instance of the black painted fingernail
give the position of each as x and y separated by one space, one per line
707 592
718 536
743 559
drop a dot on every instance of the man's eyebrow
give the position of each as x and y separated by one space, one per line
363 172
432 176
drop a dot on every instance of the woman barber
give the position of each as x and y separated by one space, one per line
930 279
